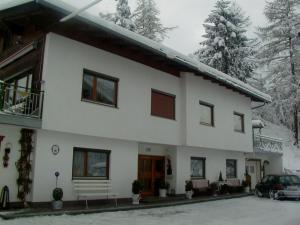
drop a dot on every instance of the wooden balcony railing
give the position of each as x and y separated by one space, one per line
267 144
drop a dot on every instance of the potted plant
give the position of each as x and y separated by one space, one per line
246 183
57 195
220 177
214 188
188 189
163 188
137 187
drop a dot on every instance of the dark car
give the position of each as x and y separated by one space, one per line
279 187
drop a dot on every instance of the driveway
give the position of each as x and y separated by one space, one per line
242 211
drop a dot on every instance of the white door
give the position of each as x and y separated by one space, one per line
251 167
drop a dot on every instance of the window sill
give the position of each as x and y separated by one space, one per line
239 131
99 103
161 117
206 124
90 178
198 178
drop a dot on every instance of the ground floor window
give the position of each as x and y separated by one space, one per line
197 167
90 163
231 168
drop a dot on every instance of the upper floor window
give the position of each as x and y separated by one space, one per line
162 104
197 167
99 88
206 114
90 163
238 120
231 168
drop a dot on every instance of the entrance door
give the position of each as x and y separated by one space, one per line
253 169
151 172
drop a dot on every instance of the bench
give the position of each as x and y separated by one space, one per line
200 185
94 188
234 185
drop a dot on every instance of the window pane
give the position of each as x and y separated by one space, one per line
97 164
238 122
87 87
197 167
206 114
78 164
231 170
106 91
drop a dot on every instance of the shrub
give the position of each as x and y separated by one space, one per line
57 194
188 185
137 187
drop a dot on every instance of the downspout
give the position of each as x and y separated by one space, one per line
256 107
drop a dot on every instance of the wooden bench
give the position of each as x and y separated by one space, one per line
234 185
94 188
200 185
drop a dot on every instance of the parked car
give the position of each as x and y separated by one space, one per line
279 187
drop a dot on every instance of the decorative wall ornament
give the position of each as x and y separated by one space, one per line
55 149
7 150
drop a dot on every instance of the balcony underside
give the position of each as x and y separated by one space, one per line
20 120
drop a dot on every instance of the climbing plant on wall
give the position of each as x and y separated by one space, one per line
24 165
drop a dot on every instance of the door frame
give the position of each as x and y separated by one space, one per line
152 157
257 162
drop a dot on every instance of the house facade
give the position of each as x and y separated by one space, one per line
105 103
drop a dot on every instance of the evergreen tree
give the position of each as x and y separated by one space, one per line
122 17
278 52
226 47
147 21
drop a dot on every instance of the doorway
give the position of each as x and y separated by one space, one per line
151 172
254 170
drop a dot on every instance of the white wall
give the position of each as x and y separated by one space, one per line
225 101
9 175
123 163
215 162
64 111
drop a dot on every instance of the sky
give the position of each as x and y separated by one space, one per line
187 15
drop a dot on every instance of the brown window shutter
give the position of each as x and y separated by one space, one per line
162 105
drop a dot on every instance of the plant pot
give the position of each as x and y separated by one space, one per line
136 199
189 194
57 205
247 189
162 193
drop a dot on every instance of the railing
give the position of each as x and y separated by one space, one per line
267 144
20 101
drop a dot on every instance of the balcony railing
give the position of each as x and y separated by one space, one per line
267 144
20 101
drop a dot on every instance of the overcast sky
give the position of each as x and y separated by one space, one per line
187 15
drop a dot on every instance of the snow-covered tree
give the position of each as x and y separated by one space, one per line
122 16
147 21
278 53
227 47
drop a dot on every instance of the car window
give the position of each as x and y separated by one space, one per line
294 180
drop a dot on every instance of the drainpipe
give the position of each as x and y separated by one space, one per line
75 13
256 107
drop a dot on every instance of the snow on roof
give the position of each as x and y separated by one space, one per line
155 47
257 124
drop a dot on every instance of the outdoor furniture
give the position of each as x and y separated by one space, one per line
200 185
94 188
234 185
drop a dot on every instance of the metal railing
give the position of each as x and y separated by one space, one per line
20 101
266 144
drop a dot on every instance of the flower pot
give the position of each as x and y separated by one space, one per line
189 194
247 189
162 193
136 199
57 205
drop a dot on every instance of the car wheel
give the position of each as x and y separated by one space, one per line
258 193
273 195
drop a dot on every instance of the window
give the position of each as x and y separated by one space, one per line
99 88
206 114
162 104
197 167
231 168
238 120
90 163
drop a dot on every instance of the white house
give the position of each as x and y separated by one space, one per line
105 103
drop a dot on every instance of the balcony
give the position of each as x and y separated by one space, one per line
265 144
20 106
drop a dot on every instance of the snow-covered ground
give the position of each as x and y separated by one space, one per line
242 211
